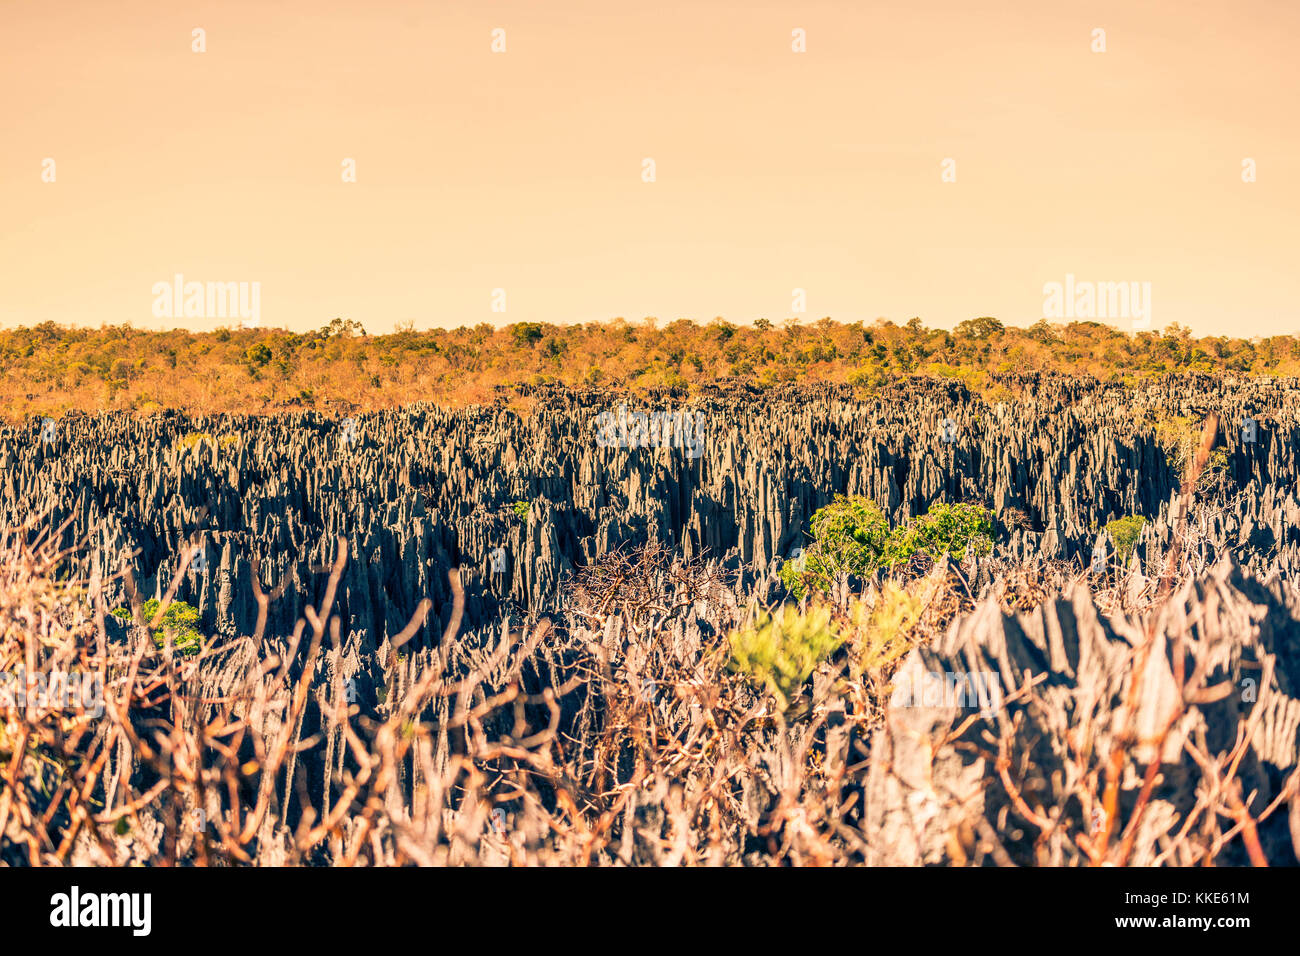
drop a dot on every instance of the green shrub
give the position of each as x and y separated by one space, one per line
851 535
257 355
520 508
1124 532
524 334
779 652
882 635
953 530
179 618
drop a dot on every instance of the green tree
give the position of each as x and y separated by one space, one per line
524 334
1124 532
257 355
849 536
955 530
985 327
778 652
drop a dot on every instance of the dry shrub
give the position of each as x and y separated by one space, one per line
618 733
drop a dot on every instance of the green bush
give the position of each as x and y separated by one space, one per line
524 334
257 355
851 535
779 652
520 508
955 530
180 619
1124 532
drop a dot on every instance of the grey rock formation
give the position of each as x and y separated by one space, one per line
951 766
419 490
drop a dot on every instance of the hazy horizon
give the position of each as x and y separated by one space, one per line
522 170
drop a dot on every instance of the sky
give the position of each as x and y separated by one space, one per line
945 159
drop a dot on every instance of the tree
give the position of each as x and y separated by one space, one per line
851 535
524 334
982 328
1042 331
343 328
180 621
257 355
722 330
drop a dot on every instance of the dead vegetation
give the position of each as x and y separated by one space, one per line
630 733
670 715
629 736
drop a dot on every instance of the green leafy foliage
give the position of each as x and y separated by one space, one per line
257 354
180 619
852 535
1124 532
520 509
778 652
524 334
952 529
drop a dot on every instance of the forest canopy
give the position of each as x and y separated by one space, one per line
50 369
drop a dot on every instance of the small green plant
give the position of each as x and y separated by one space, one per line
180 619
1124 532
882 633
851 535
520 508
778 652
953 530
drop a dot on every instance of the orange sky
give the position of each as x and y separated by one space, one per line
523 170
